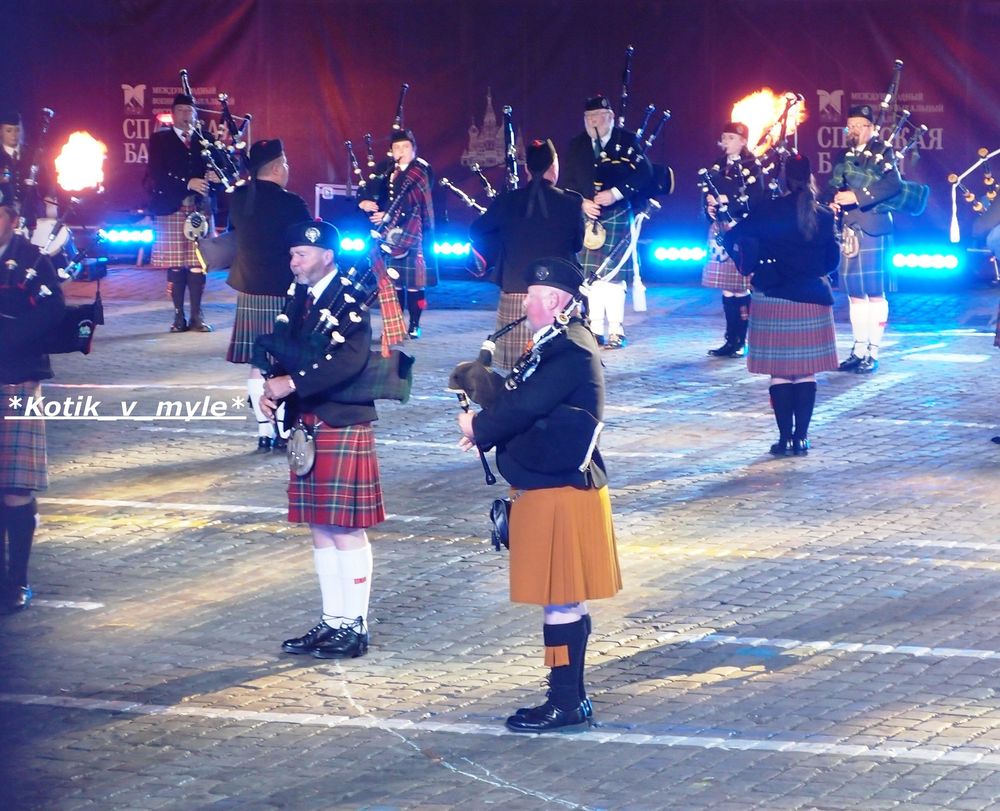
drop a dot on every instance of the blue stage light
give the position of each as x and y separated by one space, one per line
929 262
679 253
352 244
452 248
124 235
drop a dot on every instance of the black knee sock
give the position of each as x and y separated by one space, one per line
564 651
20 532
402 294
804 400
732 311
587 628
196 285
781 402
416 303
742 318
177 282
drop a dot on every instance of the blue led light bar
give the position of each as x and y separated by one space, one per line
941 261
452 248
124 235
679 253
352 244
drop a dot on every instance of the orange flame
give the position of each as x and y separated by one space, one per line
760 111
80 164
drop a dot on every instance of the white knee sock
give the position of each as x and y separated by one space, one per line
356 581
597 302
255 388
878 313
616 308
859 325
327 562
279 419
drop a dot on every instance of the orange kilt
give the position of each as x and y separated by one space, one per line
562 546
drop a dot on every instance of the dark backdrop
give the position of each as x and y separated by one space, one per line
317 72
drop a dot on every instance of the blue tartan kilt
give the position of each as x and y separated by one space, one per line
864 274
616 226
790 338
343 488
23 463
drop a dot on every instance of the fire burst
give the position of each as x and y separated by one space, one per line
762 111
80 164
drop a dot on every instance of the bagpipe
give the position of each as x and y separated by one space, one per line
477 382
624 156
229 161
882 156
285 352
980 203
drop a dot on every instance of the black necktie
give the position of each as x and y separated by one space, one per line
597 150
309 305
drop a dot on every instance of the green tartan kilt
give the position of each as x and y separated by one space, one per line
616 227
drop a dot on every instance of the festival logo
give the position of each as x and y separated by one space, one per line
133 97
831 104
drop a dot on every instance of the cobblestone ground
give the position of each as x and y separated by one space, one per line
807 633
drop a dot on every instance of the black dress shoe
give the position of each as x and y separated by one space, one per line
730 349
346 643
546 718
800 447
264 444
867 367
781 448
180 325
585 705
15 598
616 342
279 444
852 363
197 325
308 642
414 332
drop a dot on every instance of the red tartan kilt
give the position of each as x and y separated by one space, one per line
343 488
172 249
790 338
22 442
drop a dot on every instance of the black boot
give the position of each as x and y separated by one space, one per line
20 521
416 303
196 284
564 706
781 403
176 285
803 402
732 347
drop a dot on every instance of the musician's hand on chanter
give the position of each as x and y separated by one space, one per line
591 209
267 406
845 198
467 442
369 206
212 177
198 185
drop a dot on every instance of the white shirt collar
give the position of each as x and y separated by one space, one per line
11 150
180 133
319 288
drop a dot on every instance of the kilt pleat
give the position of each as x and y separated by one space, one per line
511 346
255 315
23 462
720 270
790 338
562 546
172 249
343 488
864 274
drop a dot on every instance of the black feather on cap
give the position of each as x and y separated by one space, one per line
862 111
264 152
554 271
315 233
598 102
